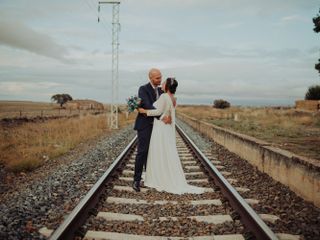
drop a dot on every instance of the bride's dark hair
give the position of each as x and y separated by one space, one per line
171 85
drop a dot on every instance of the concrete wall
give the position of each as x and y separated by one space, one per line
300 174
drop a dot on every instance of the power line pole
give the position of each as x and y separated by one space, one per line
115 61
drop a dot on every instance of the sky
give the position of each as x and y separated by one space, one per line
248 52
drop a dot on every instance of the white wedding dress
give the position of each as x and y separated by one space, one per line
164 170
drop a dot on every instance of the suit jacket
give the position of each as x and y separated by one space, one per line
148 97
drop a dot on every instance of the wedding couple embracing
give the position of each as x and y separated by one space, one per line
157 151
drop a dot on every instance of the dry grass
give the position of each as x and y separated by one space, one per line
27 146
13 106
29 106
28 109
289 129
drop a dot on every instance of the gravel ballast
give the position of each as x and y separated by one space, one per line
297 216
46 201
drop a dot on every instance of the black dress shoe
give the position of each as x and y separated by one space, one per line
136 186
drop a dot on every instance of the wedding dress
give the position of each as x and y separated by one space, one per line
164 170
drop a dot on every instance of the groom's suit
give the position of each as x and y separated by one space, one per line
144 125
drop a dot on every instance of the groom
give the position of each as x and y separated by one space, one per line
148 93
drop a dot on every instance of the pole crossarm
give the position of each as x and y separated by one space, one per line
110 2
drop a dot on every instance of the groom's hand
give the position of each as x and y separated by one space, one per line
167 119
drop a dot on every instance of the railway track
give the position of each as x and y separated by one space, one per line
112 210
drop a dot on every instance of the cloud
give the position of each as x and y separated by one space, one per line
25 88
228 49
261 7
188 55
290 18
16 34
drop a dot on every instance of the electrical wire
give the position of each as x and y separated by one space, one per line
96 14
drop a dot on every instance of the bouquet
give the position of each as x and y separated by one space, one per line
133 103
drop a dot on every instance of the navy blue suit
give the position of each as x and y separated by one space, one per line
144 125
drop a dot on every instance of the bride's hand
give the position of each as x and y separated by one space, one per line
167 119
142 110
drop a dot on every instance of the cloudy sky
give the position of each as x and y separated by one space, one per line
249 52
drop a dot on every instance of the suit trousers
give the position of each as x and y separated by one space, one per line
144 136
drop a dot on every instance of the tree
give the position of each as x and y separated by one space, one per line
317 66
61 98
316 21
313 93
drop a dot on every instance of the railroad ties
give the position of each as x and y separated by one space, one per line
153 215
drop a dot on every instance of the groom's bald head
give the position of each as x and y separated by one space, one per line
155 76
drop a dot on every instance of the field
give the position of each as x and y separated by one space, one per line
28 109
26 145
7 106
286 128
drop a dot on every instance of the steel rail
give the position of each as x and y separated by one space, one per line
248 216
68 229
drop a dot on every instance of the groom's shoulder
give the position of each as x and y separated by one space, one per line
145 86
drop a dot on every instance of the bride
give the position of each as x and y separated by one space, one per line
164 170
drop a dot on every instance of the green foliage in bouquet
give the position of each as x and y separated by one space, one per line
133 103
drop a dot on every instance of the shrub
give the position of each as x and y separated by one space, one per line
313 93
220 103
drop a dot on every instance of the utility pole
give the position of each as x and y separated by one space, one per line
115 61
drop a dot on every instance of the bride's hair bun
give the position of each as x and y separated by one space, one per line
171 85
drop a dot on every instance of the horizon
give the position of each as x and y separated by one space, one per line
181 104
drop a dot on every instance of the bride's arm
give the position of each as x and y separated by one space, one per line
155 112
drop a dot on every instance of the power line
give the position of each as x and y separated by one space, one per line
108 30
93 7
